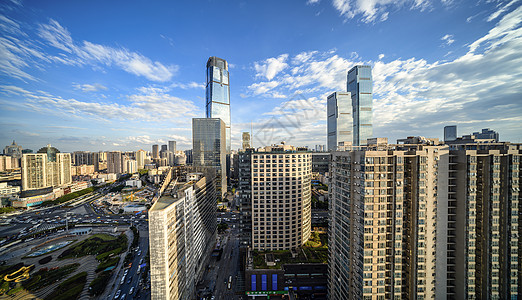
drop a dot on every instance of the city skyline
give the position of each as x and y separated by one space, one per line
85 83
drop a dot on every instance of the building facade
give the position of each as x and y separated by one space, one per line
83 158
275 197
47 168
246 140
218 94
13 150
388 222
114 162
360 87
182 231
209 148
155 152
340 120
450 133
483 234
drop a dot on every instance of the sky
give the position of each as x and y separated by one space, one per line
124 75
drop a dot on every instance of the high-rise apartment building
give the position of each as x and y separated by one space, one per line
47 168
114 162
100 161
140 159
483 221
83 158
155 152
182 232
340 120
388 221
360 87
218 94
209 148
275 197
246 140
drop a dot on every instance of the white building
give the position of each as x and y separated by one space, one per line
182 232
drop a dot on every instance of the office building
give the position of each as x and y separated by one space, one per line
209 148
13 150
275 197
114 162
188 154
155 152
487 134
360 88
483 230
172 146
320 162
47 168
246 140
450 133
218 94
340 120
388 221
182 233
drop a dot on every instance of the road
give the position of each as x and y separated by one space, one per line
133 278
217 277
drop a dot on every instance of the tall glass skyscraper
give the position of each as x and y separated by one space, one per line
218 93
340 121
208 148
360 86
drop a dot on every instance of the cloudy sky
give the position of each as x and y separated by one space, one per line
123 75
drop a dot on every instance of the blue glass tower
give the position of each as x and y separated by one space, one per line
218 93
360 87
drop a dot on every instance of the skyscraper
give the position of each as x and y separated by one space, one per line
155 152
360 87
340 120
218 94
388 221
172 146
209 148
275 197
450 133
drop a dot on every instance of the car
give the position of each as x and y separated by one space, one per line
122 297
117 294
131 290
130 280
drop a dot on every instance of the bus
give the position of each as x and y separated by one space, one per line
229 282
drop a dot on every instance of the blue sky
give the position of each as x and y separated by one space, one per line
123 75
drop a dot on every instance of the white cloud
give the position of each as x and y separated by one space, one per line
373 10
149 104
190 85
448 39
90 87
310 2
271 67
412 96
16 54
